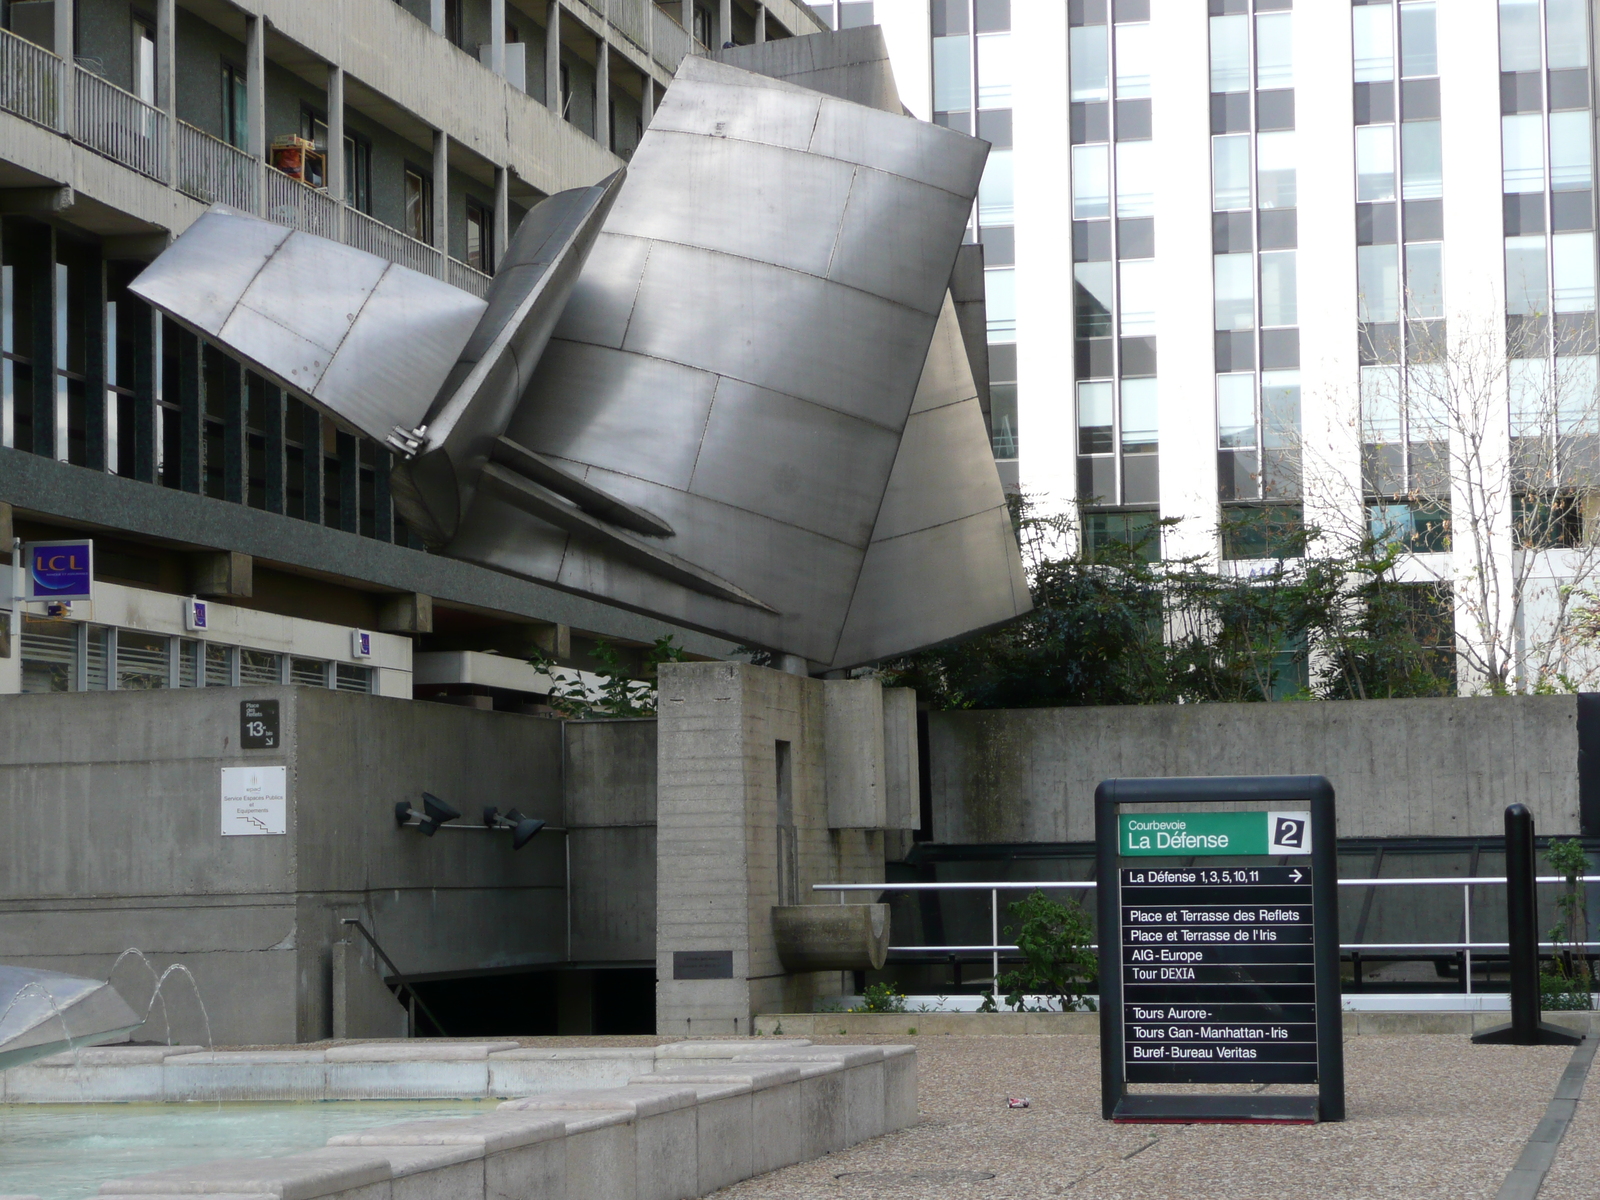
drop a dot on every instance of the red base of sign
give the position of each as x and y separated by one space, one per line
1214 1109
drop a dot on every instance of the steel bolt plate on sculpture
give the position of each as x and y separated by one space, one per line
726 388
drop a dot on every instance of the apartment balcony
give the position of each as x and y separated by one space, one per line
120 126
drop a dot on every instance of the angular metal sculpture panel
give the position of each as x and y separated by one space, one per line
45 1012
368 340
727 388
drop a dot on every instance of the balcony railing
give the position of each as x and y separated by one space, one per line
214 172
292 203
468 279
120 125
672 42
373 236
30 81
124 128
631 20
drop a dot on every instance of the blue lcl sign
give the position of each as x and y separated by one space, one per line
59 570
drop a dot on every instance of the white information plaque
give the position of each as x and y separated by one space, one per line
255 800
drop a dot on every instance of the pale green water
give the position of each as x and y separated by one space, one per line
66 1151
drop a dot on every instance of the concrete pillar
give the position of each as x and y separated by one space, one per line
602 92
686 16
65 36
724 24
255 53
552 57
724 734
647 101
497 37
441 199
167 80
336 165
761 23
502 216
436 16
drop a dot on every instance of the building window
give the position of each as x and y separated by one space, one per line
1091 183
1133 61
1275 170
358 172
1140 426
1090 63
235 107
352 679
419 204
1374 161
1230 172
1096 431
1274 51
144 62
1230 53
1235 291
1372 30
480 237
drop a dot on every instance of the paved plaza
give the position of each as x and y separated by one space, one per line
1428 1116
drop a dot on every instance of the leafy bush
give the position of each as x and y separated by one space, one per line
1569 981
1054 939
881 998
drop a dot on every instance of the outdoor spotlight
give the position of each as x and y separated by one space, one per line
435 812
522 828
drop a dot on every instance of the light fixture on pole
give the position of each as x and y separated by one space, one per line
522 828
435 812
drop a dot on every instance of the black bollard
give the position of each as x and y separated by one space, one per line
1522 932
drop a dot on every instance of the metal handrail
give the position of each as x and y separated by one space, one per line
1465 947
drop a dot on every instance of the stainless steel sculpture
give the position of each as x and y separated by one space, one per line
727 388
45 1012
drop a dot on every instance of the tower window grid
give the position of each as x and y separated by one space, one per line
977 19
1085 16
1404 231
1275 477
1548 336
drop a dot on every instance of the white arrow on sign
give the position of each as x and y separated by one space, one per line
1295 875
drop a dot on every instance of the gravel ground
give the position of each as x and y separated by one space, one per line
1427 1116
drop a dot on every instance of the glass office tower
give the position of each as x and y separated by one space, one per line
1241 250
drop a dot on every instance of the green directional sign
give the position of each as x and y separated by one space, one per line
1153 834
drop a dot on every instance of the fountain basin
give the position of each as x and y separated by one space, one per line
613 1123
65 1151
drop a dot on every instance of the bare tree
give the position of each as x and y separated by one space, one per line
1480 454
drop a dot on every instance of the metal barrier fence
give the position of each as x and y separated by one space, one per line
30 81
995 948
213 172
120 125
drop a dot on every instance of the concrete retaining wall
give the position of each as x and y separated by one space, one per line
1401 768
112 806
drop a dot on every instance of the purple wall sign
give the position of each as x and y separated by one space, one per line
60 570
